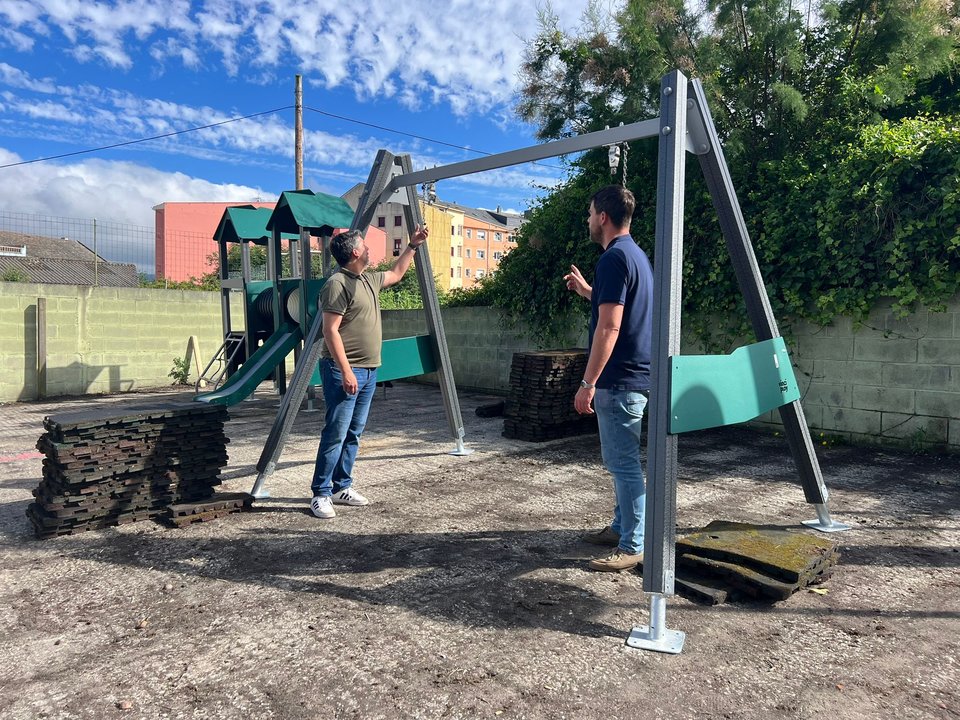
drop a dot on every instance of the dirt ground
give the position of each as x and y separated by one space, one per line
462 591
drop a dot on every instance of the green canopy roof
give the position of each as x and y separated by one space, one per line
306 209
246 223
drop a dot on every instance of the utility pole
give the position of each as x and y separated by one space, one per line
298 132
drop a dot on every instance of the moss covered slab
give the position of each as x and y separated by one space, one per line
791 557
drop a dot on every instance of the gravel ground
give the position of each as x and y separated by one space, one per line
462 591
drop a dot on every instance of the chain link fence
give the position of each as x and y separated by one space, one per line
87 251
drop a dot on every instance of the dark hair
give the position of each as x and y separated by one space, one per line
343 244
617 202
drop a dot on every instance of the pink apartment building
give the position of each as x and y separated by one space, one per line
184 237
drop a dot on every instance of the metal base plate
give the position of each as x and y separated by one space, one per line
832 527
671 642
260 495
461 451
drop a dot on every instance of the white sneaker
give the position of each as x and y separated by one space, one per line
350 497
322 507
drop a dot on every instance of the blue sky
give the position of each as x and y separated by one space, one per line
77 74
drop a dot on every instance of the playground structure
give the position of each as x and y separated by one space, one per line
688 393
273 314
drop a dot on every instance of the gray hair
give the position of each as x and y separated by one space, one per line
343 244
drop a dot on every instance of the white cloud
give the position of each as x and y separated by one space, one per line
20 12
121 192
18 40
17 78
117 115
463 54
48 111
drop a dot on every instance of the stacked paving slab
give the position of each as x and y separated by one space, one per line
101 469
729 561
539 405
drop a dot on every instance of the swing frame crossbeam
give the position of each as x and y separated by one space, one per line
684 125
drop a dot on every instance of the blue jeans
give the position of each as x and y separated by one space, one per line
345 418
619 413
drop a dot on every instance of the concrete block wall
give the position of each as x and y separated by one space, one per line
100 340
889 380
481 349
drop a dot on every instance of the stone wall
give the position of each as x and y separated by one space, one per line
100 340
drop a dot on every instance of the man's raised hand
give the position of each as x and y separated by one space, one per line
420 235
575 282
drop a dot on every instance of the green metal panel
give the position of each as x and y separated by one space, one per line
713 390
401 358
406 357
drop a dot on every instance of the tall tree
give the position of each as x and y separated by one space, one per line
794 89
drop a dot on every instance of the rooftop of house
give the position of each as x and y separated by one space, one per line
59 261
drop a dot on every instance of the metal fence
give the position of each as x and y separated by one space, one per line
176 256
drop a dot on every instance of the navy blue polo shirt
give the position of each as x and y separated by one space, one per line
623 275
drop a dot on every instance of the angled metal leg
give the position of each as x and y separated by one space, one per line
717 175
431 308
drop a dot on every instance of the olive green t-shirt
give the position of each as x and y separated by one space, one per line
357 299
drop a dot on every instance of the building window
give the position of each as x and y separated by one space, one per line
467 272
460 251
453 230
481 234
458 271
459 229
469 231
451 251
468 252
497 255
396 247
381 221
498 237
451 272
481 254
397 220
480 274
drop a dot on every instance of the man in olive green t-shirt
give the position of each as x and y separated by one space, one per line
349 358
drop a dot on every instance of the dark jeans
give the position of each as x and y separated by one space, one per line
345 418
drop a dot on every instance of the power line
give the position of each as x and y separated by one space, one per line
146 139
413 135
253 115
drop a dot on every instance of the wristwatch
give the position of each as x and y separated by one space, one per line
585 384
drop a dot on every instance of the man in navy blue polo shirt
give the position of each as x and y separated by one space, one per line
616 383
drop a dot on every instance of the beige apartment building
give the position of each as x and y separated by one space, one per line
488 235
465 243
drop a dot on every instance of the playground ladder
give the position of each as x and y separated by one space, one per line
216 370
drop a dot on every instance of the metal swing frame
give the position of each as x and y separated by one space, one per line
684 125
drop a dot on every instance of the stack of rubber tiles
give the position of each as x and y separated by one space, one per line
103 468
539 405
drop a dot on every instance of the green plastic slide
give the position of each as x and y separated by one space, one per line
257 368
